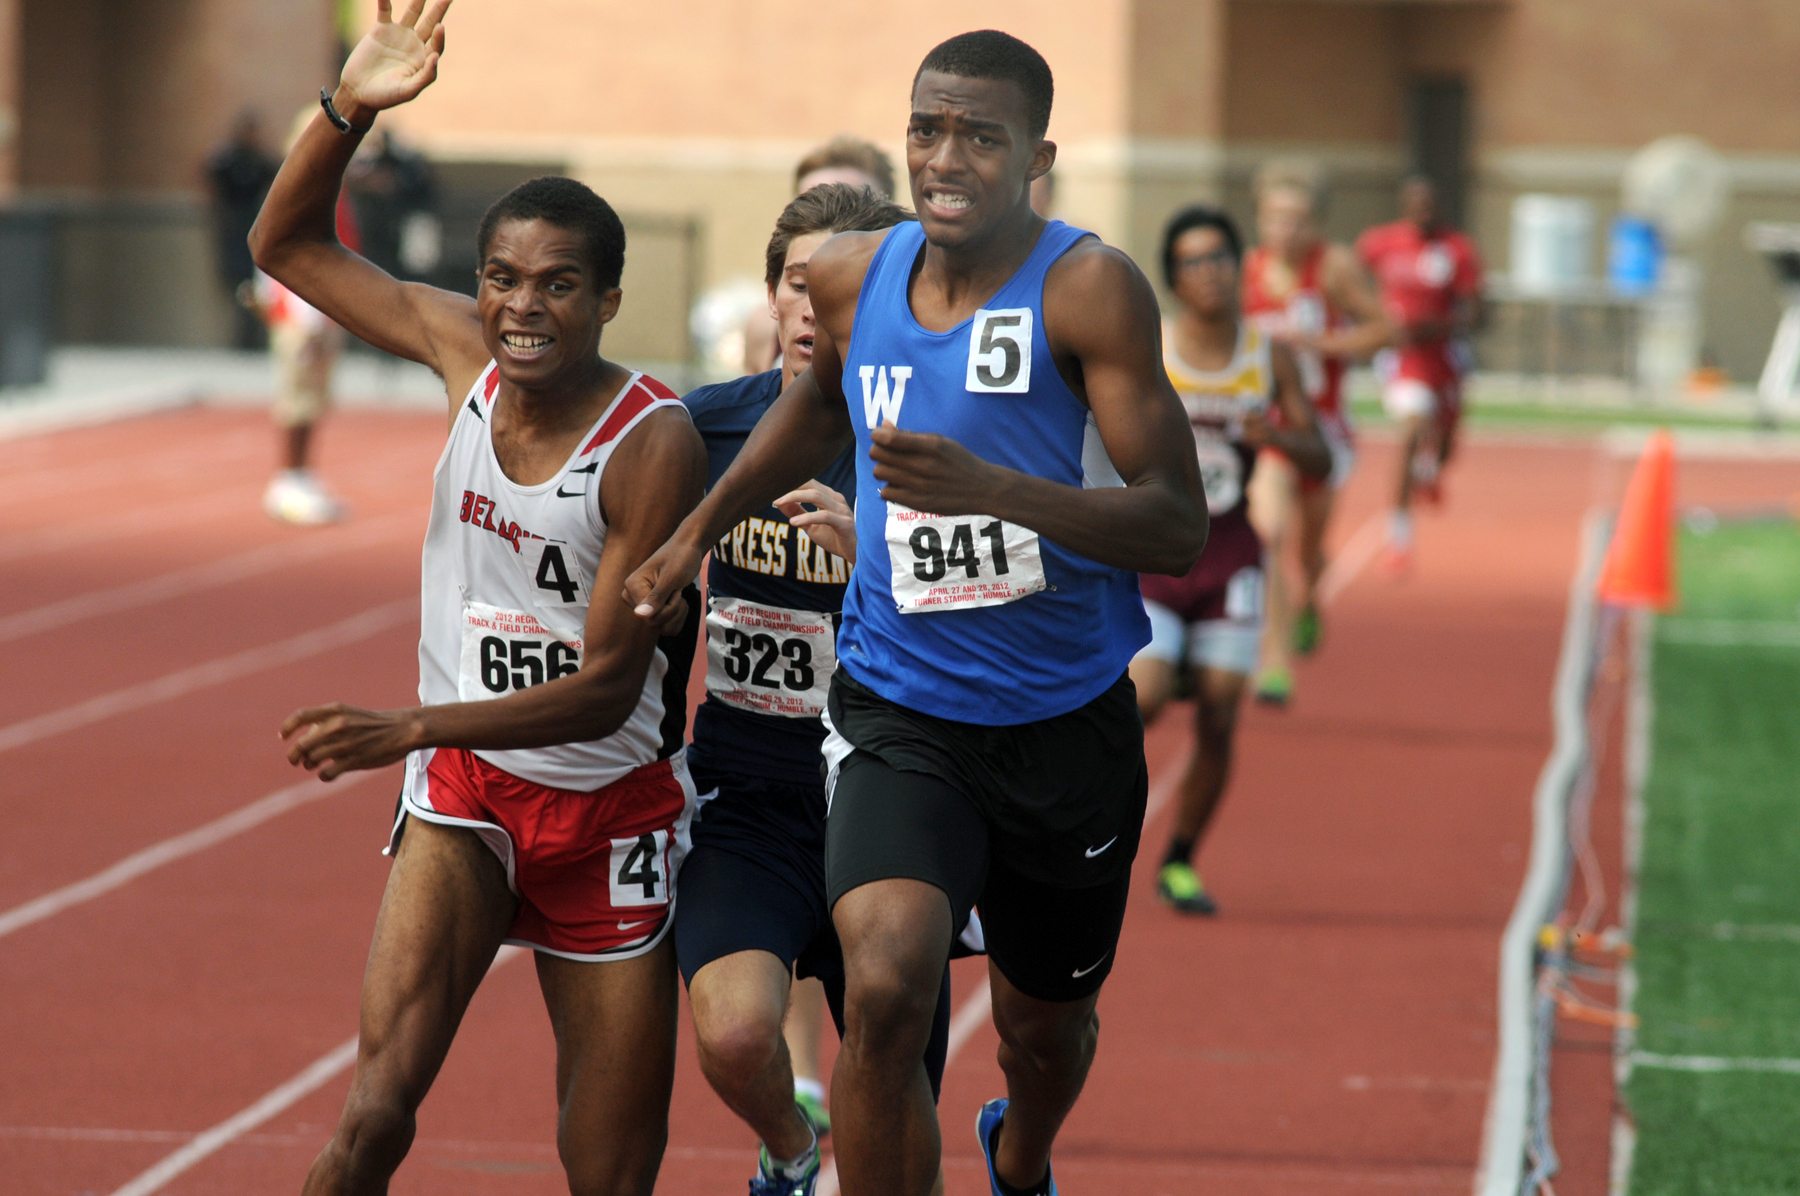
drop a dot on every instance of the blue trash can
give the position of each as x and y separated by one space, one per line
1634 255
27 311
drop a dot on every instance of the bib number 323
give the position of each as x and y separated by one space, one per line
956 562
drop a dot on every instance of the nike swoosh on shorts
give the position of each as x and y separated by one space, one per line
634 925
1094 851
1078 973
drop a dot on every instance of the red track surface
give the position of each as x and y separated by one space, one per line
1332 1032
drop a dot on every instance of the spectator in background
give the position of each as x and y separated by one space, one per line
843 159
305 345
393 191
238 176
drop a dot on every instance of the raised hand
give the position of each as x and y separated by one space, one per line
395 60
832 526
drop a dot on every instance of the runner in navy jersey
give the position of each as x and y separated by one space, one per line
1021 457
753 888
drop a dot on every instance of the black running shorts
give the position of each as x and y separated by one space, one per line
1036 825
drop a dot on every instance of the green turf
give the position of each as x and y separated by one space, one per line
1719 880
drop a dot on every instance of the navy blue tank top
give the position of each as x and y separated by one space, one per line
772 602
966 617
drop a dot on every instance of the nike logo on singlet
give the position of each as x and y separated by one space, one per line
1078 973
561 493
1094 851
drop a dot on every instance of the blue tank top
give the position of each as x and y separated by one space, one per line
964 617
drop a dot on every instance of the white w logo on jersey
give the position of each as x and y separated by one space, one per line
879 406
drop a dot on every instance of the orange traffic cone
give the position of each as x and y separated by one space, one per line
1637 570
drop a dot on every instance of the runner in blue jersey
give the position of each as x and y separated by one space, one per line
753 886
1020 456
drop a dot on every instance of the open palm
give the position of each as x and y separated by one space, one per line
396 60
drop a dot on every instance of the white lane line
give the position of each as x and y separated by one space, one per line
264 559
172 849
314 1077
1728 632
977 1010
1504 1133
1711 1063
126 522
1353 558
213 672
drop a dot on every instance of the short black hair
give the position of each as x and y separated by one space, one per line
1199 216
829 208
991 54
563 203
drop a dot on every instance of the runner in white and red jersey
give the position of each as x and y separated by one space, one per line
546 800
1312 296
1430 278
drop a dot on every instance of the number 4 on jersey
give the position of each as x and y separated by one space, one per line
556 576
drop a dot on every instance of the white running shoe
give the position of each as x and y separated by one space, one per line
295 496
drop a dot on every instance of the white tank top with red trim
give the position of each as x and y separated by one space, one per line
508 571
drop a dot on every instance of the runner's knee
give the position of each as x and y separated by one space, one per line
1058 1045
734 1052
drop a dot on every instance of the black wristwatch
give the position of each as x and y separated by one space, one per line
335 117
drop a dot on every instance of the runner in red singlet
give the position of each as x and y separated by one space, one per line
1430 278
1314 297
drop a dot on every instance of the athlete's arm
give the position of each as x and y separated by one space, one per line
295 236
655 477
1101 319
1298 436
804 430
1348 286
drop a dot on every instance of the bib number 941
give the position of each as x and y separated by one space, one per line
955 562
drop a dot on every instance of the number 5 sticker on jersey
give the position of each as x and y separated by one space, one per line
1000 351
640 870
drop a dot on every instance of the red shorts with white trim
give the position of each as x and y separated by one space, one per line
594 872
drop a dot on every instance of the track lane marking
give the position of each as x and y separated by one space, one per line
277 1101
977 1009
169 850
213 672
1712 1063
1349 561
267 558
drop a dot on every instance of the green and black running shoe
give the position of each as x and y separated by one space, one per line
815 1112
1181 888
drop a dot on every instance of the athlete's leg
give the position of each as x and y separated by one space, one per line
1274 512
615 1067
738 1002
1217 698
805 1021
1050 951
1153 669
896 937
1316 504
1046 1048
442 919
